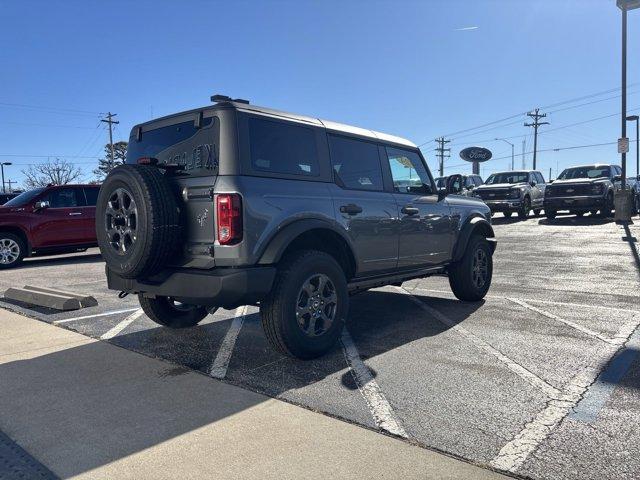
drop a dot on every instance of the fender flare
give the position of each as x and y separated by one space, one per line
276 246
474 225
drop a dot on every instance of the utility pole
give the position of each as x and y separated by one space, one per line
111 122
536 123
524 165
442 153
549 173
10 182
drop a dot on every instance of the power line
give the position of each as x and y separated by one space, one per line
41 107
56 125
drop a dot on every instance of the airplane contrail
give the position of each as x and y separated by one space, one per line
463 29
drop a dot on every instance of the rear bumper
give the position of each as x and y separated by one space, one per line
221 287
575 203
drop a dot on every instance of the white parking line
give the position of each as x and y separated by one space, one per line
548 302
380 408
515 453
122 325
515 367
569 323
220 364
105 314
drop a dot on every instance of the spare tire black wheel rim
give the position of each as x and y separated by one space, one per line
121 221
316 305
480 268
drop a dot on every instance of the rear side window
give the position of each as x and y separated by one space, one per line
91 194
283 148
356 164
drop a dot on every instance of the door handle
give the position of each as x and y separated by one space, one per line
75 213
351 209
409 210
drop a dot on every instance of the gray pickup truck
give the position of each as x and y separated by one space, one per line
234 204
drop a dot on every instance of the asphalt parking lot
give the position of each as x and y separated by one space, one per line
541 379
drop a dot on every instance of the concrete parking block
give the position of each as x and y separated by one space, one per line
50 298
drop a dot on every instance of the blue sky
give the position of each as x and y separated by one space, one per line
401 67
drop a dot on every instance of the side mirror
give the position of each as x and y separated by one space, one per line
532 183
41 205
454 184
617 178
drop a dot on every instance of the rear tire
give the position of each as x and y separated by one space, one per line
168 313
470 278
12 250
305 312
523 213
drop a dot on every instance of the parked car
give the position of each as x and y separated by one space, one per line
235 204
47 220
517 191
636 194
5 197
581 189
469 183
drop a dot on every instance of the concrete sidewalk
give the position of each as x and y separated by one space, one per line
88 409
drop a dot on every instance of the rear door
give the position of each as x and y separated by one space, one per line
425 221
89 214
367 212
62 223
539 189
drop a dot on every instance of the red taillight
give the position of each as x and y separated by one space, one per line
229 218
147 161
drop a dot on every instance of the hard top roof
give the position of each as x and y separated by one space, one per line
334 126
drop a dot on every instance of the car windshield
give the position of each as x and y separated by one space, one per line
507 177
590 171
24 198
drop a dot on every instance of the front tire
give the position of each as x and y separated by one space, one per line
12 250
167 312
470 278
537 212
523 213
607 211
507 214
305 312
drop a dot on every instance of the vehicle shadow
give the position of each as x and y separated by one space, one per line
87 406
572 221
506 220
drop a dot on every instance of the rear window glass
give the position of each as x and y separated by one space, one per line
196 149
283 148
92 196
356 164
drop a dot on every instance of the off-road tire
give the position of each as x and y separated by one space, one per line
278 310
523 212
22 249
607 210
164 311
461 272
157 223
550 214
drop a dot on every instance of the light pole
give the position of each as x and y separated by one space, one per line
2 164
623 199
512 151
631 118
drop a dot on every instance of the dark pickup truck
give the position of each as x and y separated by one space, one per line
587 188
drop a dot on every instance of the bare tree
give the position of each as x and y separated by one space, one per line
57 172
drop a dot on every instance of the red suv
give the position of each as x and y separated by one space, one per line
47 220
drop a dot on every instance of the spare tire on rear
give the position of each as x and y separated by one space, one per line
137 221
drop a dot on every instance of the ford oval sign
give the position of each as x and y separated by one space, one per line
476 154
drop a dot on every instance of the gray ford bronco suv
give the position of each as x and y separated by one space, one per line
234 204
